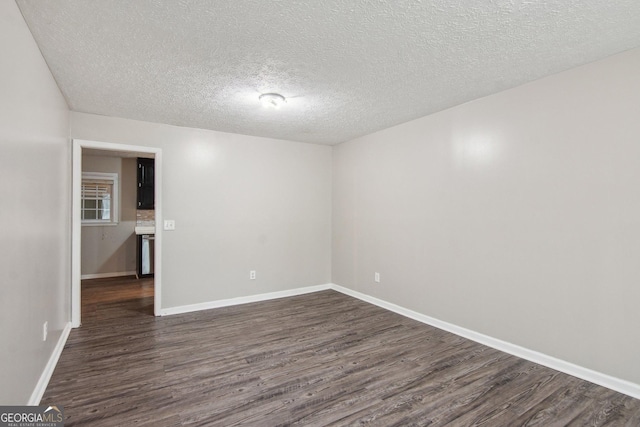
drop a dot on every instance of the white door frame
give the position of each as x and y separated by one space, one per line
76 226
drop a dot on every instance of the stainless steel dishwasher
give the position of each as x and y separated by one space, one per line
146 255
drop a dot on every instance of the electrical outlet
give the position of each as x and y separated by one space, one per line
376 277
169 224
45 330
252 275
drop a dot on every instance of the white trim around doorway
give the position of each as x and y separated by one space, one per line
78 145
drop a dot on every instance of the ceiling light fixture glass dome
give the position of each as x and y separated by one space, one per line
273 100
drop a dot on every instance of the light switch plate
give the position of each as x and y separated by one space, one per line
169 224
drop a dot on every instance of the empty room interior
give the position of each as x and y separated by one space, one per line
314 213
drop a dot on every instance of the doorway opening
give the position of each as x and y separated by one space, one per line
83 212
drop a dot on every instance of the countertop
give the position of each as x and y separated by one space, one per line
145 229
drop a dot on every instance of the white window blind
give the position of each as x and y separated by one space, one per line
99 191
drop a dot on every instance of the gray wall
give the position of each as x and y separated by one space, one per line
240 203
516 215
34 216
112 249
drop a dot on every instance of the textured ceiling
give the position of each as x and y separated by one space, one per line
347 68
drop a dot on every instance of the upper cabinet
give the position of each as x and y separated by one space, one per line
146 187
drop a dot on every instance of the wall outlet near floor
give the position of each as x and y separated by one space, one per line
376 277
170 224
45 330
252 275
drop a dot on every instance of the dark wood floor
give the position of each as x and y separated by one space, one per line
313 360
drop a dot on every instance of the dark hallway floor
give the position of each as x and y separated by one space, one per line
311 360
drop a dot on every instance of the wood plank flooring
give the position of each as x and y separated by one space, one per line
322 359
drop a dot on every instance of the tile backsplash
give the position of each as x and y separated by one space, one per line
145 218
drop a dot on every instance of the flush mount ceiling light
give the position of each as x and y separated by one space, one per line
273 100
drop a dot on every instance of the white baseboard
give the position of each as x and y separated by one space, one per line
242 300
38 392
613 383
107 275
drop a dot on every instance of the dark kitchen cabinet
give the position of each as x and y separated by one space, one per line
146 187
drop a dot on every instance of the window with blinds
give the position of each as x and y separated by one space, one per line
99 198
